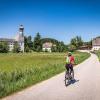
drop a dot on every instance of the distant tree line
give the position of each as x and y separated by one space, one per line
36 44
77 43
38 41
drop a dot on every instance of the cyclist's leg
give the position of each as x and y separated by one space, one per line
72 71
67 69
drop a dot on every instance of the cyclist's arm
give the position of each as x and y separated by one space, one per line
75 62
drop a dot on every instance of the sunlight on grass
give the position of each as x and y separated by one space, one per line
18 71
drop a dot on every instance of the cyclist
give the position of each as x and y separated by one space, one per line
70 61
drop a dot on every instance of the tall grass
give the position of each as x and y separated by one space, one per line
97 53
18 71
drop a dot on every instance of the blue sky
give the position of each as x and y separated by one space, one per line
59 19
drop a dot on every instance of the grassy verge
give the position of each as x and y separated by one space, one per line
97 53
18 71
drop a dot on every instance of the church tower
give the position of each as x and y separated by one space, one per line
20 38
21 30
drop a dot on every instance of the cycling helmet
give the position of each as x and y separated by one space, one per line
69 53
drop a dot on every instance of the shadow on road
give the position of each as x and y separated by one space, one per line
72 82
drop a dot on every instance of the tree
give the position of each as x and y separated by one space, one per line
62 46
74 42
28 43
71 48
54 49
16 48
37 45
89 43
25 42
27 49
77 41
4 48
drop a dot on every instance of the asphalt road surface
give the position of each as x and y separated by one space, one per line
85 87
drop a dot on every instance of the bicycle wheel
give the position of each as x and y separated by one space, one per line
72 75
66 78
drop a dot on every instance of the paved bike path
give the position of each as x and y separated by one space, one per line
86 86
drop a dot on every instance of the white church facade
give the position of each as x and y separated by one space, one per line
19 38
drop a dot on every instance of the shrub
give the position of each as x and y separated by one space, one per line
4 48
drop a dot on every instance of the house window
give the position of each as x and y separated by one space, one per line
11 43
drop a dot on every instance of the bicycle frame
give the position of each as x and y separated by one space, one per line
68 76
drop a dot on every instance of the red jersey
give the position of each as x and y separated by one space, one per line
72 60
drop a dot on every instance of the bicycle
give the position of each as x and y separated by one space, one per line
68 76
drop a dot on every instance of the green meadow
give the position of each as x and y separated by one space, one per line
18 71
